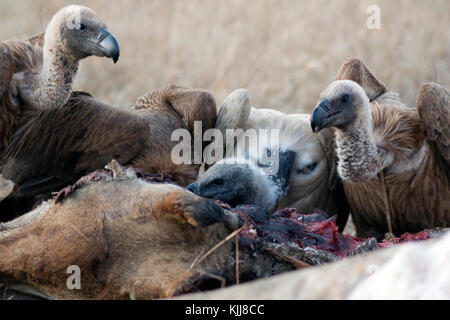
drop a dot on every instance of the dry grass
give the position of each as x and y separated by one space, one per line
284 52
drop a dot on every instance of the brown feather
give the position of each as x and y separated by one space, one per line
433 105
8 114
188 104
85 135
15 57
353 69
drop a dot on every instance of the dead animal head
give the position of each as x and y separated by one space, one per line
128 237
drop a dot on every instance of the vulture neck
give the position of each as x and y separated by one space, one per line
55 80
356 149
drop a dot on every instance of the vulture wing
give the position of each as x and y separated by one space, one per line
37 40
6 68
8 113
433 106
355 70
190 105
56 147
235 111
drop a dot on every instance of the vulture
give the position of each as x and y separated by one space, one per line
51 136
303 175
45 65
55 147
38 73
393 160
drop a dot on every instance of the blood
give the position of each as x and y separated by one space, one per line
288 226
317 231
156 178
407 237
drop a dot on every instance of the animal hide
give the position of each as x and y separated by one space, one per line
136 236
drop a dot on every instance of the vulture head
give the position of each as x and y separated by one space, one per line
74 33
215 186
238 181
79 33
340 105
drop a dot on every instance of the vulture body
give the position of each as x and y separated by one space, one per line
305 179
50 137
55 147
45 65
394 161
38 73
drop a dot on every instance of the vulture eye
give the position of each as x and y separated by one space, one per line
312 167
345 98
218 182
81 27
308 169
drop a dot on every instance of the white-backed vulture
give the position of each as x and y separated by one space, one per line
38 73
55 147
394 161
305 178
45 78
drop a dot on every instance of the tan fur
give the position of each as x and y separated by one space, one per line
128 238
131 239
417 175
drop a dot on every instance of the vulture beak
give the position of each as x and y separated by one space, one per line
283 176
194 188
321 114
109 44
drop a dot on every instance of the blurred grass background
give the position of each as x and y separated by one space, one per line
284 51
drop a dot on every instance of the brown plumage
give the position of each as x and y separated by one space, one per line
376 136
8 113
55 147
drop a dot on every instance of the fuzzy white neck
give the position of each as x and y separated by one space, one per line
56 77
356 149
51 86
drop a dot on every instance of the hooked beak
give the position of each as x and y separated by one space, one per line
109 44
321 114
283 176
194 188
